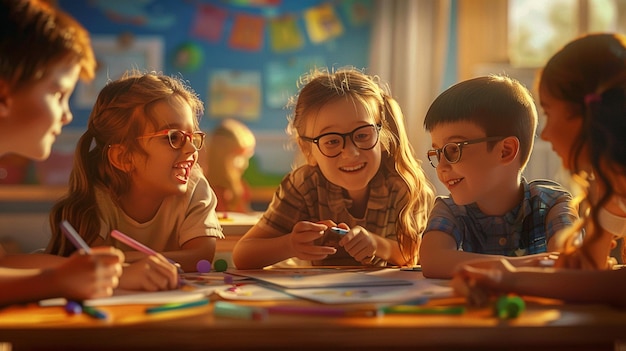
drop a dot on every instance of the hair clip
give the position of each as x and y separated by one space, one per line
591 98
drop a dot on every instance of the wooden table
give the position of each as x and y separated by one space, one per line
234 226
545 325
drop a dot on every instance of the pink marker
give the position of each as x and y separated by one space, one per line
143 248
132 242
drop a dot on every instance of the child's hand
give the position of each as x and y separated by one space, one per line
546 259
152 273
360 244
83 277
480 279
579 259
303 239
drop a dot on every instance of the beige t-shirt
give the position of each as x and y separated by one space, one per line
179 219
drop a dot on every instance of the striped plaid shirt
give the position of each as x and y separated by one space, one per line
306 195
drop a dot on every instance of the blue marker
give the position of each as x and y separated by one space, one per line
339 231
95 313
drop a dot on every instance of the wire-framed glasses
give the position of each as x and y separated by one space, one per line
331 144
178 138
452 151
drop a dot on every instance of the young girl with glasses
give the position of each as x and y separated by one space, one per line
43 53
582 90
482 134
136 171
361 176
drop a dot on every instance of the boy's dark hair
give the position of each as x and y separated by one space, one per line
500 105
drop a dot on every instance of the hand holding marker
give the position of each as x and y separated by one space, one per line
143 248
139 246
133 243
339 231
74 307
73 236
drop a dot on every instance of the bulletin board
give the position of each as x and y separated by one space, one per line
242 57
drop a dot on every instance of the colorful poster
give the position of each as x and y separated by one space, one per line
143 54
209 22
281 78
248 31
285 34
322 23
235 94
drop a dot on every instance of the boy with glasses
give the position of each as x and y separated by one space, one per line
482 134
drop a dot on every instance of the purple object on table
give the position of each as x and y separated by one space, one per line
203 266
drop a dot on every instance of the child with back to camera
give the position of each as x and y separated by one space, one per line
136 171
361 175
230 147
482 132
43 53
582 90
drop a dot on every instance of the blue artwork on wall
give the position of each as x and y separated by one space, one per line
263 45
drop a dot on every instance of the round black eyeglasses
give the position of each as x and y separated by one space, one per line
452 151
331 144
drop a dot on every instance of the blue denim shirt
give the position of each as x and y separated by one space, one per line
522 231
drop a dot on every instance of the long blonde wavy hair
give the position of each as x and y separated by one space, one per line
321 86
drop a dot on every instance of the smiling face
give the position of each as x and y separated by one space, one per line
37 113
353 168
473 177
165 171
563 125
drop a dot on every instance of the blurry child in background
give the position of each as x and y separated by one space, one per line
583 93
135 171
482 134
230 147
43 52
361 175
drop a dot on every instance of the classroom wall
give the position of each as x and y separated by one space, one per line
242 57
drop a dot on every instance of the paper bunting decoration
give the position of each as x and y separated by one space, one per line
247 32
322 23
209 22
284 34
359 11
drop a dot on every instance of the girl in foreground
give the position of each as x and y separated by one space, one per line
582 90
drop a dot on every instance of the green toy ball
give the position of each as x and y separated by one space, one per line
509 306
220 265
